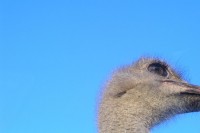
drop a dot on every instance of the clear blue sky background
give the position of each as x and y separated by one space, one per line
55 56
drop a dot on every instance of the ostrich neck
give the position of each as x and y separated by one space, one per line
125 117
137 125
136 112
117 122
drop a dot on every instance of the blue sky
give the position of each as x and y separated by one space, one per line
56 55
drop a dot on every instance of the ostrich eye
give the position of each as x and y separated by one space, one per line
158 68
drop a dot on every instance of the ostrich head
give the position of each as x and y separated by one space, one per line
143 94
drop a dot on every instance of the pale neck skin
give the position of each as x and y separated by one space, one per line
114 121
138 115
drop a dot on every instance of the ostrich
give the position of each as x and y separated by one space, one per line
144 94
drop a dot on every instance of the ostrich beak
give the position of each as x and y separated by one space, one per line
191 89
188 88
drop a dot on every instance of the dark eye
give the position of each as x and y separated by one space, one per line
158 68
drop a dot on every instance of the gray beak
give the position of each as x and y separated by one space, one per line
189 88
